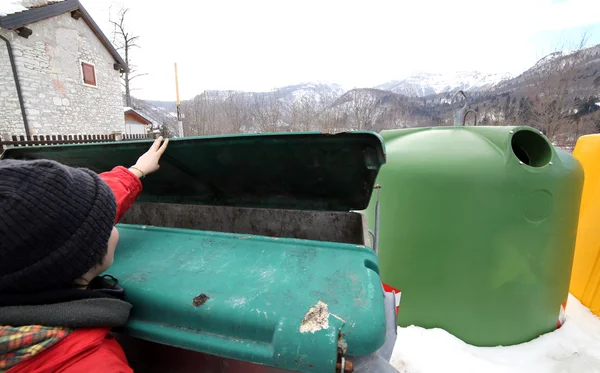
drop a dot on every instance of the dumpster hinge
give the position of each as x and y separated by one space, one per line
375 235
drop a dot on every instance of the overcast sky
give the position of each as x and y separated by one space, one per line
257 45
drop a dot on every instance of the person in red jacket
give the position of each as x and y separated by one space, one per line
57 237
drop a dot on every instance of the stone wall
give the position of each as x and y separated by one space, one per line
49 68
10 112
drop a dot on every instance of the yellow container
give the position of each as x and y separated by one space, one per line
585 279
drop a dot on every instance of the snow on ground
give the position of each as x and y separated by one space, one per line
574 348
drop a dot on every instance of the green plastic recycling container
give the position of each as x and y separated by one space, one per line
477 230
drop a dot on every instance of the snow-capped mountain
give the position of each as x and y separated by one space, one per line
587 55
581 65
319 91
423 84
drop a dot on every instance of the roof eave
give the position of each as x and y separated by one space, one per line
133 111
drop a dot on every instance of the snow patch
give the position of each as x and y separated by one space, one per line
317 318
10 7
14 6
574 348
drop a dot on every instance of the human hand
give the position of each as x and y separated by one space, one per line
148 162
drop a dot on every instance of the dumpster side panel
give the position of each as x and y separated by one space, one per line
479 241
586 266
342 227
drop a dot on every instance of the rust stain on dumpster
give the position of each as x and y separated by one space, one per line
200 300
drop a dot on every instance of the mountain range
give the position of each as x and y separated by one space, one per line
418 85
427 95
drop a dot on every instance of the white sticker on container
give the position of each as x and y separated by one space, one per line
562 315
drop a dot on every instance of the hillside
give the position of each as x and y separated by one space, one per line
583 67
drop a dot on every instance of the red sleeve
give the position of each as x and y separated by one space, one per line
109 357
125 186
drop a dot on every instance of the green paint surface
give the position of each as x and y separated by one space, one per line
479 244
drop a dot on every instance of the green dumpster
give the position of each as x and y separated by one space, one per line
244 247
477 230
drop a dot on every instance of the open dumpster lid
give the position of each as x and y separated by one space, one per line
303 171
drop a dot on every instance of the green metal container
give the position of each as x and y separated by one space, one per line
244 248
478 230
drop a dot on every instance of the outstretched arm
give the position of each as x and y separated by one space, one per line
126 184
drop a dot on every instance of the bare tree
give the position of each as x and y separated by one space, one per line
191 124
217 112
124 42
332 119
396 115
363 109
267 114
313 111
236 110
552 89
202 114
304 113
329 117
376 110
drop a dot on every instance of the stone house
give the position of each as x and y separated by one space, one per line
60 74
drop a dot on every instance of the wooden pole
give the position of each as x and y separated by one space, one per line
179 121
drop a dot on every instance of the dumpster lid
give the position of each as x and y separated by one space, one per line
302 171
280 302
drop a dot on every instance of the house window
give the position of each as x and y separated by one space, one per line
88 72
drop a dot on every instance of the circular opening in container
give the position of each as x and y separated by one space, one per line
531 148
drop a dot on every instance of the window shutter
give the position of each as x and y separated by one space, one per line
89 73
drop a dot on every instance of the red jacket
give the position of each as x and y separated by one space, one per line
90 350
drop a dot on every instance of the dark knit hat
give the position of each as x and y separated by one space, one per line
55 222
